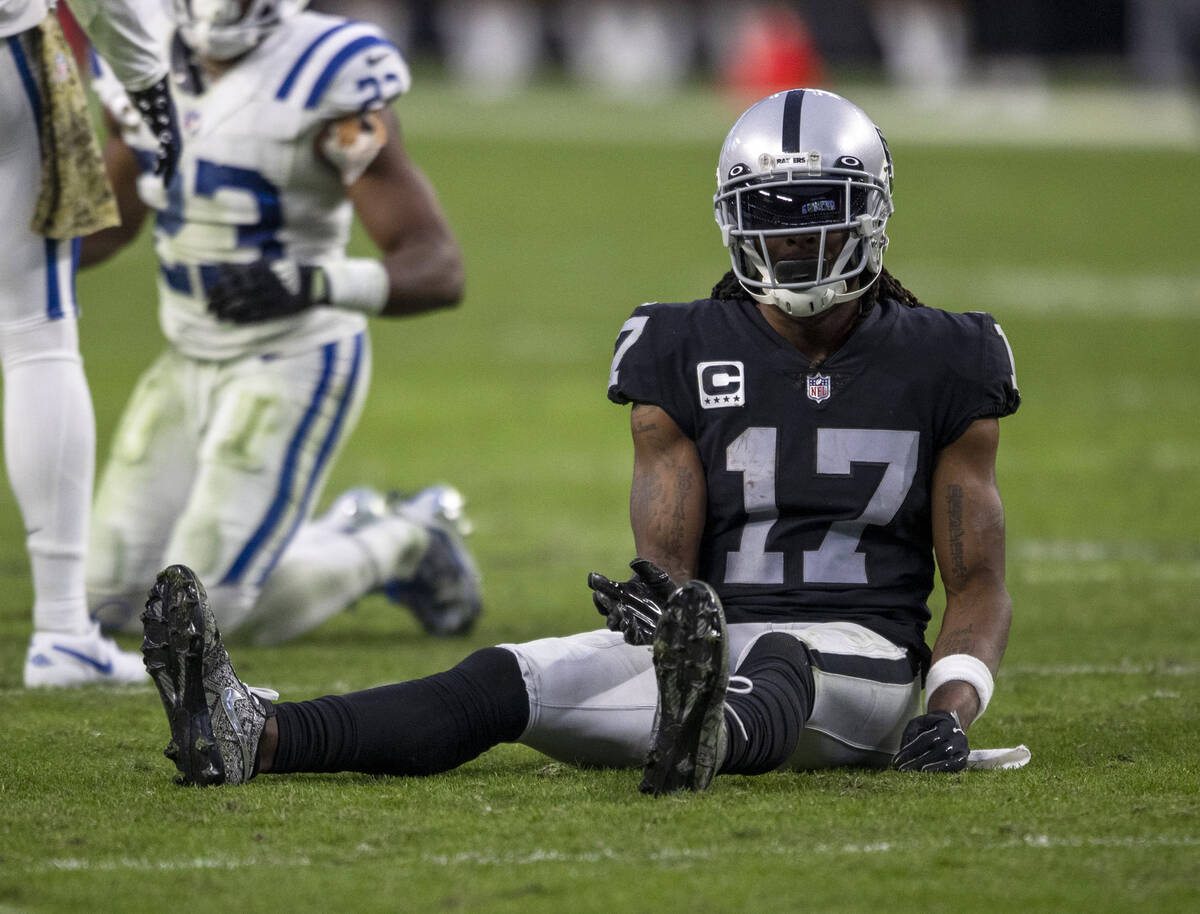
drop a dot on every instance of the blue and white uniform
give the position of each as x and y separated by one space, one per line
226 442
38 273
49 429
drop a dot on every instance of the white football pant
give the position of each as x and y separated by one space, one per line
592 696
49 427
217 466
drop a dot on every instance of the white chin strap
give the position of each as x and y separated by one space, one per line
809 302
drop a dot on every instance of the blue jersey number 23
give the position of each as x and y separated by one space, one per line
211 178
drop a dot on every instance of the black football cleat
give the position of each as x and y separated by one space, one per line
216 720
691 665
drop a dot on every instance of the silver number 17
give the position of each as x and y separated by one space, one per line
837 560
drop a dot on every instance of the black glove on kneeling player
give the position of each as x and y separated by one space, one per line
633 607
265 290
932 742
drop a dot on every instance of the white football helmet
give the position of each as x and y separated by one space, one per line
805 163
225 29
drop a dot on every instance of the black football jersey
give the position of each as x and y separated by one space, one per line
818 477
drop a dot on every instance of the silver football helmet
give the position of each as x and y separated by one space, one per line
225 29
806 165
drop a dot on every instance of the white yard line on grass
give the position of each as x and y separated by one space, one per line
1030 116
666 856
1056 293
1088 551
1122 668
1116 118
1106 573
1008 669
1083 561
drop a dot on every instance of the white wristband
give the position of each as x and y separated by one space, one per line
965 668
357 284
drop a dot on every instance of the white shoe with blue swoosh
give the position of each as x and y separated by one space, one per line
55 659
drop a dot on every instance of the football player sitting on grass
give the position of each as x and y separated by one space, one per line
807 440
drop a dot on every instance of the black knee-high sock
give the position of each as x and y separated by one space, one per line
411 728
775 709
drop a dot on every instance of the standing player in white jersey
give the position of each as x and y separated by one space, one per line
227 440
53 187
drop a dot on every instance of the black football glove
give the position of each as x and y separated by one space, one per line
157 109
633 607
932 742
266 289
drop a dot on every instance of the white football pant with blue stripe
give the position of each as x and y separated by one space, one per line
49 428
217 466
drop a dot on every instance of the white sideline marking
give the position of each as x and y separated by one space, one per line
991 116
1007 669
1102 551
114 691
1108 572
1100 669
1066 561
607 855
77 865
1054 293
1037 115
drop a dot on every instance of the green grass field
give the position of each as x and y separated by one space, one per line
572 211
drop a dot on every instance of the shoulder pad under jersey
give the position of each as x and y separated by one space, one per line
337 67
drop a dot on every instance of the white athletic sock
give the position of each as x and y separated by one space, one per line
325 570
49 449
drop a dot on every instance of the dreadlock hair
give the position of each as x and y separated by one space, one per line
728 288
890 287
887 286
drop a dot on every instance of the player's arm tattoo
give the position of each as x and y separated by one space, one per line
954 524
667 497
643 421
958 641
661 505
968 531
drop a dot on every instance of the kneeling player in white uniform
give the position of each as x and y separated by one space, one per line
806 440
226 442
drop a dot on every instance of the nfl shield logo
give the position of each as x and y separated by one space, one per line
818 387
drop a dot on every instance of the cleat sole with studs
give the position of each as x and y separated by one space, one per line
173 652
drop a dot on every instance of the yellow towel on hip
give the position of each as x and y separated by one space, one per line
75 198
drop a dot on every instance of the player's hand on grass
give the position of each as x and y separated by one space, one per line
265 290
932 742
634 606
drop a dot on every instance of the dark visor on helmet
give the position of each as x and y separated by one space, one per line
799 206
